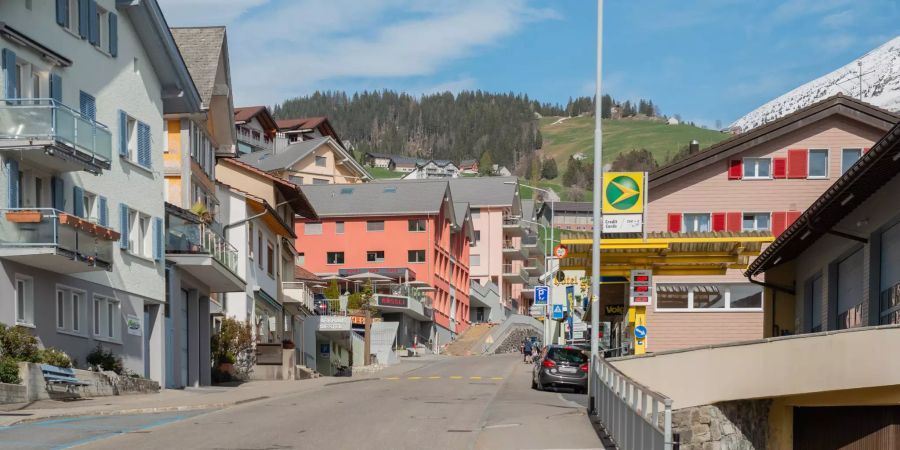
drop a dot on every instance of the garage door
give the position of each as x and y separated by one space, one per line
847 428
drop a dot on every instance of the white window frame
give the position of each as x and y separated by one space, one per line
73 316
755 221
692 227
859 152
376 259
809 163
323 159
131 152
755 175
329 263
409 253
103 32
73 17
475 260
726 288
312 228
102 328
140 234
417 222
25 314
91 204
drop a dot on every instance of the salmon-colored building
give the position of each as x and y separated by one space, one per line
759 180
413 233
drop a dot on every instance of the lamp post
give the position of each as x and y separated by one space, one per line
598 224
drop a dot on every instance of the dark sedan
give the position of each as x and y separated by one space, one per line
561 366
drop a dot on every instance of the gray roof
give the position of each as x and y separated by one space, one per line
376 199
285 158
460 209
483 192
200 48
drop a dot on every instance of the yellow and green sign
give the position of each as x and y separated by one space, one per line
623 192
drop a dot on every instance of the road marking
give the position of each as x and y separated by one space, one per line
474 378
413 378
456 377
496 378
434 378
392 378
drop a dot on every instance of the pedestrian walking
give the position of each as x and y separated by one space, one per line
527 347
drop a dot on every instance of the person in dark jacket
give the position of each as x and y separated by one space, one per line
527 347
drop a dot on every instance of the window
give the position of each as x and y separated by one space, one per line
415 256
73 16
296 180
375 225
745 296
88 105
259 241
477 237
695 223
814 297
103 25
270 258
69 307
250 240
850 291
335 258
474 260
417 225
672 297
91 209
24 300
890 276
849 156
300 259
710 296
339 227
35 85
131 139
375 256
706 297
312 228
756 222
818 163
106 318
757 168
140 239
321 161
320 181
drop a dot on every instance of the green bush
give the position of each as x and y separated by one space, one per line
105 360
9 371
232 338
18 344
55 357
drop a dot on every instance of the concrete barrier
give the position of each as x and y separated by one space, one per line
13 393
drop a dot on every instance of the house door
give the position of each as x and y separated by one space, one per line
479 315
847 428
146 330
170 349
183 337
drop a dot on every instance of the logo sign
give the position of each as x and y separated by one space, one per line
641 287
390 300
557 312
536 311
560 251
134 324
541 295
324 350
335 323
640 332
579 327
623 193
615 310
623 223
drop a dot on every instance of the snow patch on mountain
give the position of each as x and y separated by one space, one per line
880 87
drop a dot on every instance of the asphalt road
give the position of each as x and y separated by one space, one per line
451 403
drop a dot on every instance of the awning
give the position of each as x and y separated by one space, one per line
708 253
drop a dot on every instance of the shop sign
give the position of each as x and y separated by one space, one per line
615 310
334 323
623 193
623 223
392 300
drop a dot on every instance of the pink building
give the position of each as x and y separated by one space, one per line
409 231
756 181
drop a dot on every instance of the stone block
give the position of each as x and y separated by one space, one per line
712 446
700 433
727 428
715 430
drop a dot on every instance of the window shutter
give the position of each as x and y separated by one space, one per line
57 186
84 11
790 218
735 169
157 239
123 226
718 221
88 105
779 167
675 222
94 23
123 134
113 35
797 163
62 13
143 144
56 87
9 74
733 221
78 198
779 222
12 172
104 211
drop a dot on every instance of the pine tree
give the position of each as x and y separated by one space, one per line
548 169
486 165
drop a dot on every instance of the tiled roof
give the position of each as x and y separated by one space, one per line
302 274
302 123
200 48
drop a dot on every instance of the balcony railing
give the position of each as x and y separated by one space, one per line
256 142
509 271
29 229
508 244
184 237
299 292
48 120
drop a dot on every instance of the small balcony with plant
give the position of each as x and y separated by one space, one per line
194 245
51 135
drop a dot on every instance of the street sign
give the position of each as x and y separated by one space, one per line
641 287
560 251
623 193
640 332
623 223
541 295
324 350
536 311
579 326
557 312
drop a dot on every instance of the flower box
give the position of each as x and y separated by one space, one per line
24 216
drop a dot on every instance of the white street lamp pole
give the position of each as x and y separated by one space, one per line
598 224
547 258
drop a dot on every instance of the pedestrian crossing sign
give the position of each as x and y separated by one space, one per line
557 312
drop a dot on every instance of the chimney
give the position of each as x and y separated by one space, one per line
694 147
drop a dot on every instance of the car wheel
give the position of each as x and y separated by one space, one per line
540 386
533 384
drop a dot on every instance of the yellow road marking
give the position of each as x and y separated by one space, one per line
413 378
496 378
434 378
474 378
392 378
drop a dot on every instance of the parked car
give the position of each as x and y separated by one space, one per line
321 304
561 366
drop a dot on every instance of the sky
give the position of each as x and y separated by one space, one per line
706 60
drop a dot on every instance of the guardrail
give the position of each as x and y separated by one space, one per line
633 415
53 228
45 118
190 238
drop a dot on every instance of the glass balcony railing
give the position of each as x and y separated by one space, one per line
46 119
71 236
183 237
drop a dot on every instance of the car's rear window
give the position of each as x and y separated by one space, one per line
569 355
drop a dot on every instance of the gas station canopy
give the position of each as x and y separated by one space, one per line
703 253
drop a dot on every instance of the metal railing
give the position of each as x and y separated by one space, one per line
190 238
260 141
508 244
633 415
299 292
49 232
47 119
510 222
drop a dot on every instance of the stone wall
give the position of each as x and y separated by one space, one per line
513 341
736 425
101 384
13 393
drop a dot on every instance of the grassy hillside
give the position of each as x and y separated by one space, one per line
563 139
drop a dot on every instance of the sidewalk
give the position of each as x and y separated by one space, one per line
168 400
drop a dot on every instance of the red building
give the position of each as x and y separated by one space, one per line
413 233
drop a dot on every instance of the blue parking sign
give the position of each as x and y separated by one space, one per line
541 295
557 312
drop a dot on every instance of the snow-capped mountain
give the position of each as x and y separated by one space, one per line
880 87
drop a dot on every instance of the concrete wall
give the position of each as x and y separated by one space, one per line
737 425
13 393
100 384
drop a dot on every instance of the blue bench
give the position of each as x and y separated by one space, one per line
61 375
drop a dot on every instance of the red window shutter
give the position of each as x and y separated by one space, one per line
779 167
790 218
735 169
675 222
718 221
779 222
797 162
733 221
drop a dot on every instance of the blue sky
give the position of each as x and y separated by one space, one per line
707 60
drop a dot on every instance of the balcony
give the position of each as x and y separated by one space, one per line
204 254
534 266
513 275
51 135
533 245
298 293
56 241
512 251
512 227
257 142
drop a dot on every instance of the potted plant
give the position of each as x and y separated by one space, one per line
200 210
287 344
24 216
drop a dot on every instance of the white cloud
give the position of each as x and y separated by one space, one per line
181 13
286 48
